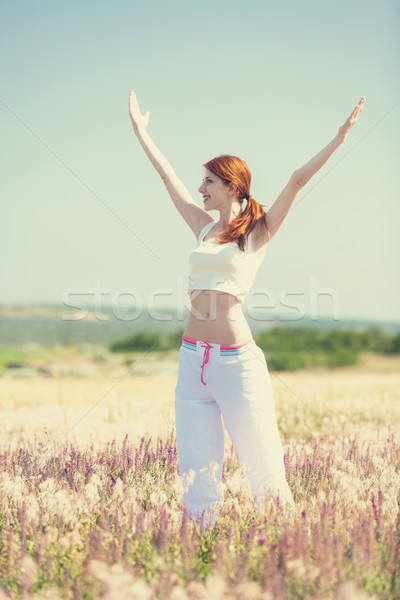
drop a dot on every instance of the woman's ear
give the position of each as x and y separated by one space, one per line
233 189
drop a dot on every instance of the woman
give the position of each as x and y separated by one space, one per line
222 372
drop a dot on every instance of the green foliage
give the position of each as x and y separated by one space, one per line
35 355
286 361
293 348
378 340
21 356
145 340
393 345
343 357
287 348
372 582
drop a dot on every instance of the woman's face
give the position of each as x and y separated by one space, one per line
213 190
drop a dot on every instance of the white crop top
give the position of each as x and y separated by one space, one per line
223 267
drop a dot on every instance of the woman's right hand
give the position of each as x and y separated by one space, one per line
139 121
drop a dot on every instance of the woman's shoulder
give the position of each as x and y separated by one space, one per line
258 237
204 222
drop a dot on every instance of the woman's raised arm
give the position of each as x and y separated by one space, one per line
140 123
305 173
279 210
193 214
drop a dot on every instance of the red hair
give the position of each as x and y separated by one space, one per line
232 169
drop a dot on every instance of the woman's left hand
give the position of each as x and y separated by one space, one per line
347 125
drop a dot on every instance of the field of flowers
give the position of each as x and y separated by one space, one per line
90 494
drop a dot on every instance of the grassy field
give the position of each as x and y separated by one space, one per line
90 493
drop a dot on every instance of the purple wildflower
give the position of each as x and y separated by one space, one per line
262 539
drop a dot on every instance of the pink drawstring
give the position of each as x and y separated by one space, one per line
207 347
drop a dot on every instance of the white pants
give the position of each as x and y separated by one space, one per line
231 382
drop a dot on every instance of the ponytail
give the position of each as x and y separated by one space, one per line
242 225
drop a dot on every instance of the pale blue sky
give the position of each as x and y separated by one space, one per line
270 82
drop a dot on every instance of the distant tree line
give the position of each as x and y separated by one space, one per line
287 348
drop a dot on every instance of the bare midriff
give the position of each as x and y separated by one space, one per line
217 317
